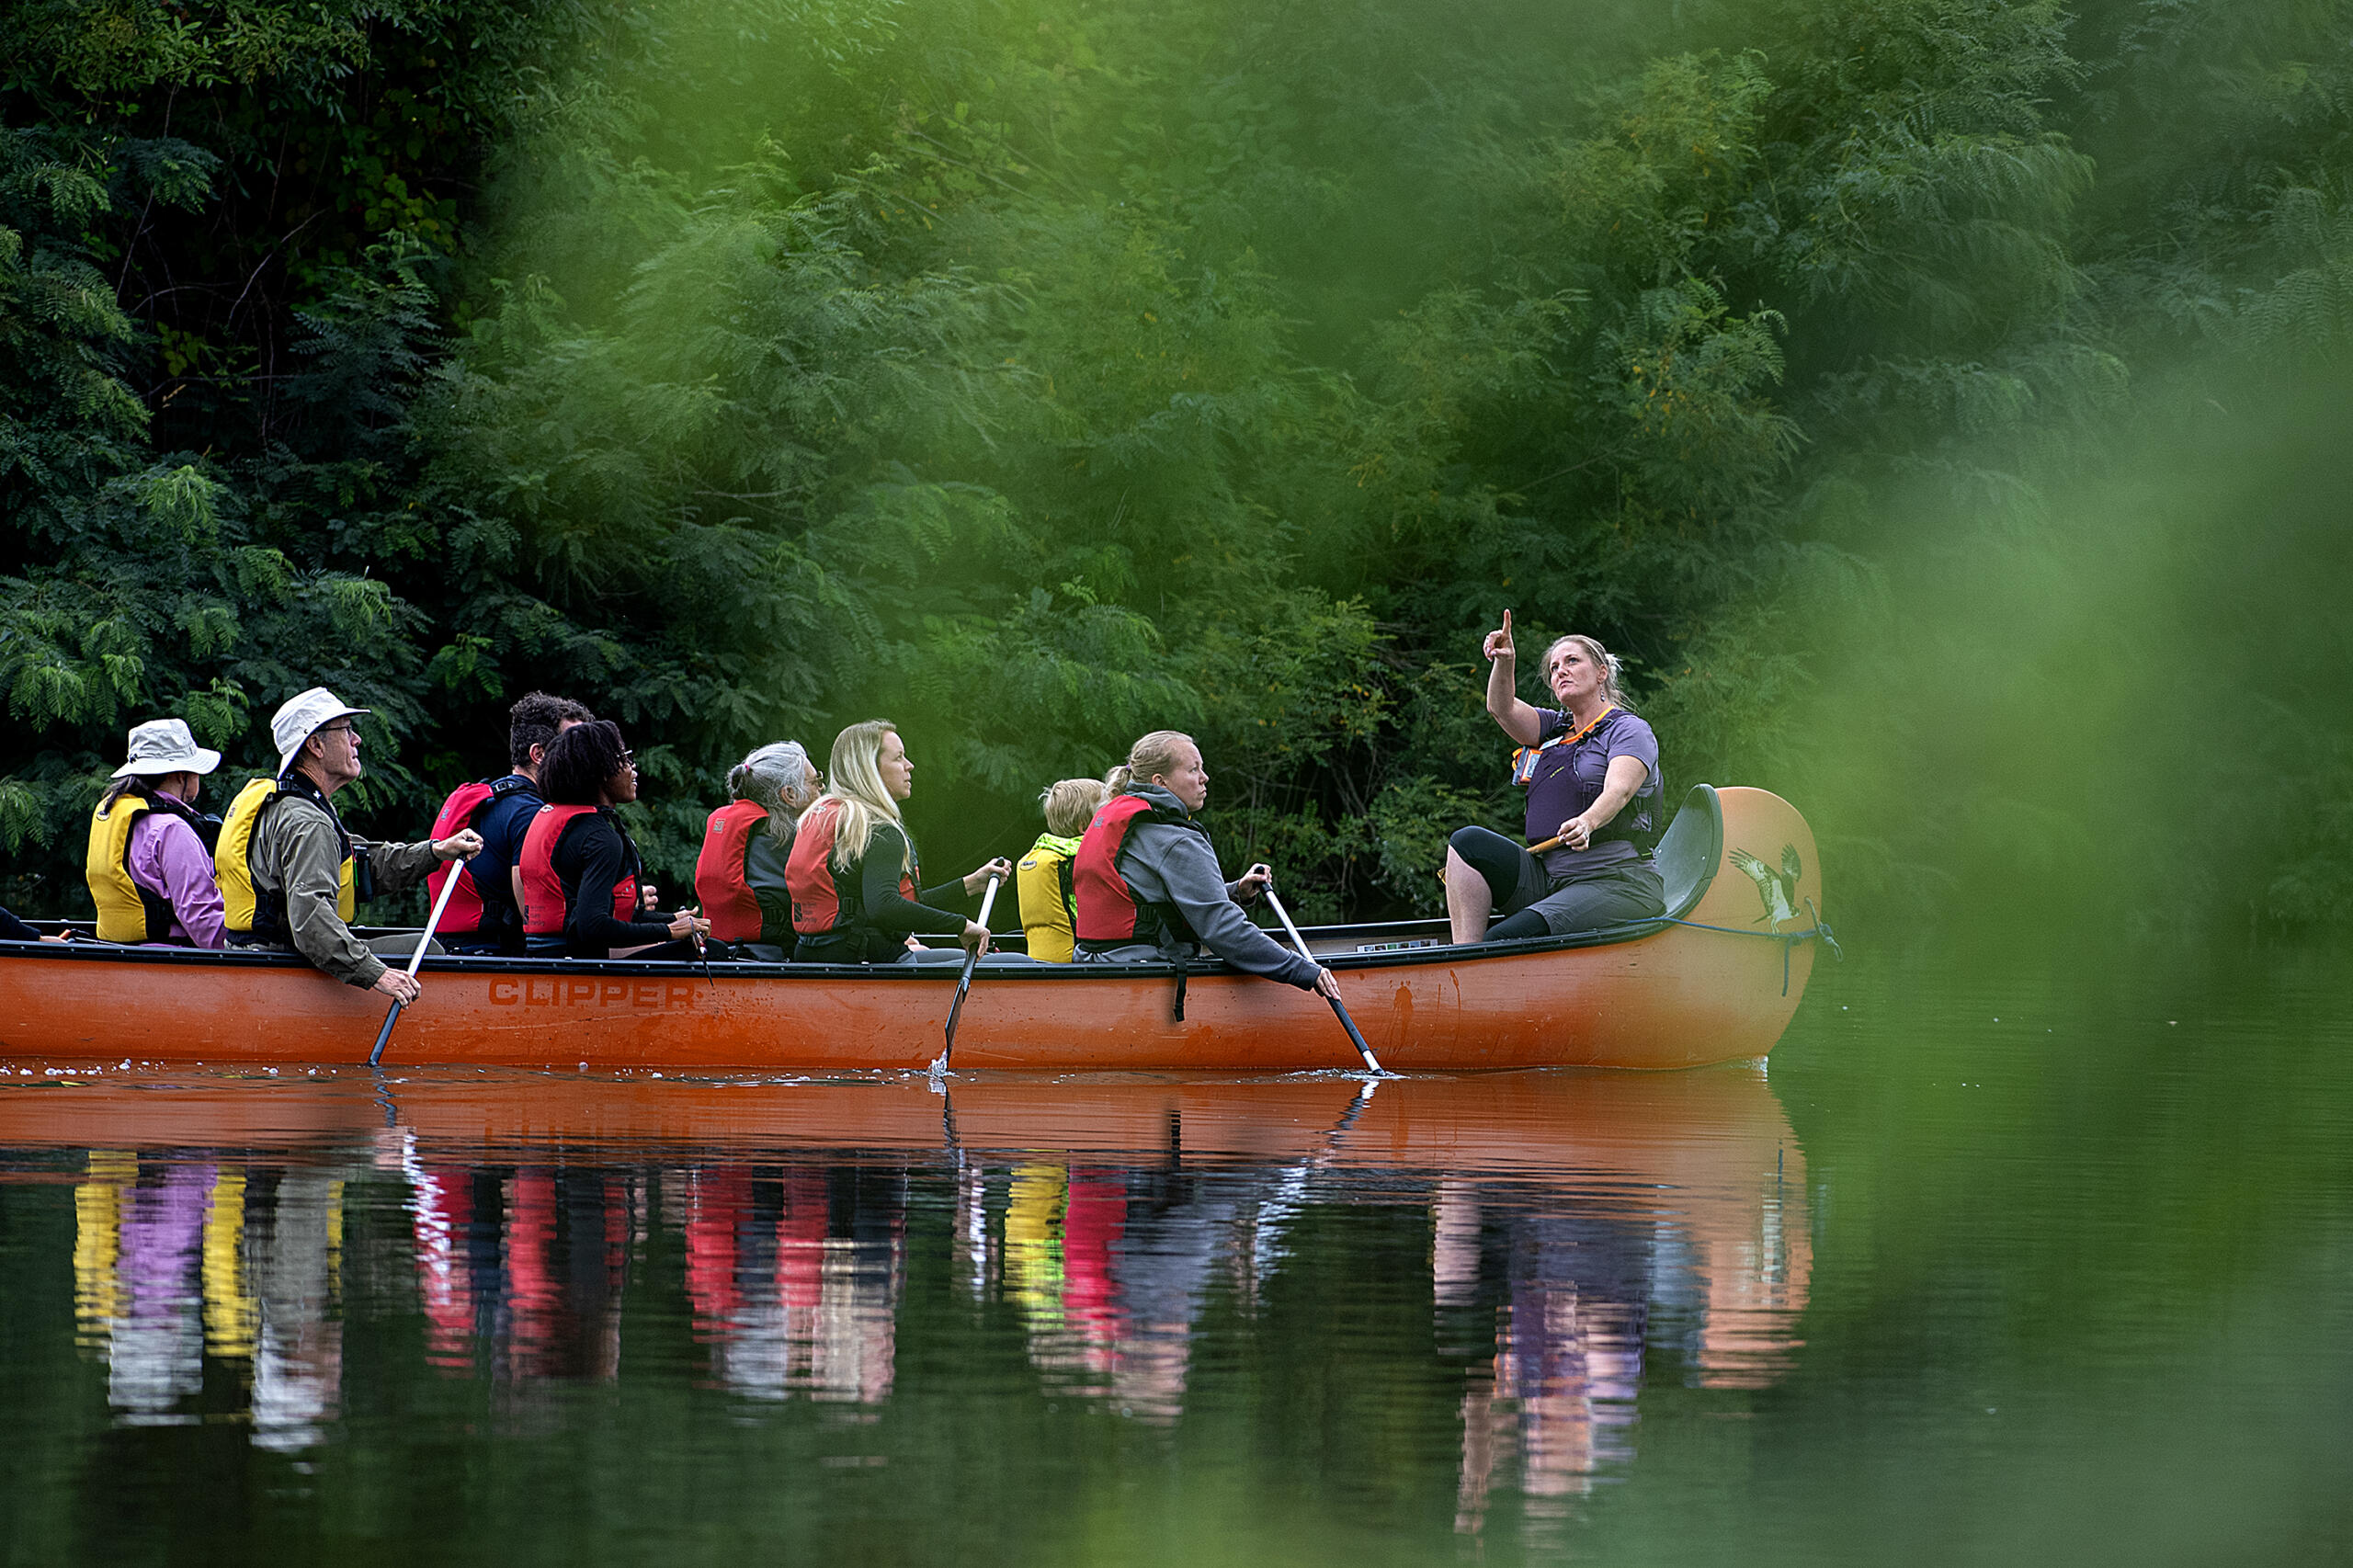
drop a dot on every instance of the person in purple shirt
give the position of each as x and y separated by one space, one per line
155 884
1591 770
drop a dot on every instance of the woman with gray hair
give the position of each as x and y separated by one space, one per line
739 876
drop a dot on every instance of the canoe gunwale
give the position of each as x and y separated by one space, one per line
92 951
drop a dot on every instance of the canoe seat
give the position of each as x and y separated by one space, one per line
1691 850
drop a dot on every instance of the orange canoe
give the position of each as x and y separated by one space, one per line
1717 981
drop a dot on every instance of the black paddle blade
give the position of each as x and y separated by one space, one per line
384 1034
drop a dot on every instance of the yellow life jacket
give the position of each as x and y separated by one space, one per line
1049 916
127 911
257 912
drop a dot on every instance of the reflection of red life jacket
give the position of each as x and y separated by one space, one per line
536 1332
716 1205
462 810
727 899
1110 914
801 1234
547 903
1092 1225
823 899
444 1214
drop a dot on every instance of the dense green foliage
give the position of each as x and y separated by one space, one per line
1894 384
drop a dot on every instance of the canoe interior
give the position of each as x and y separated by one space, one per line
1653 995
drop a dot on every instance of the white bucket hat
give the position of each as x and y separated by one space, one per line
165 745
292 724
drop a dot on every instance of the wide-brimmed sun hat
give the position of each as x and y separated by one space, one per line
165 745
293 723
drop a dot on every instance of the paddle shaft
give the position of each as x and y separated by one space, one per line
1339 1006
416 959
1548 843
965 980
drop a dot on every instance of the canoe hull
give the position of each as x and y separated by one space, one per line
1681 997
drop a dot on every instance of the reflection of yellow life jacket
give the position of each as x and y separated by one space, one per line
1048 914
1033 1252
127 911
248 911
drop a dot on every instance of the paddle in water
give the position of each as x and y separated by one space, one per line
1339 1006
964 982
449 885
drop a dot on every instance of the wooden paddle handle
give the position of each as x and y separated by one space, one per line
1533 850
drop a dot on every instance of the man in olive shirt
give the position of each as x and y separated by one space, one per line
300 844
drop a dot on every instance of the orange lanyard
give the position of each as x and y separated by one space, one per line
1524 757
1607 709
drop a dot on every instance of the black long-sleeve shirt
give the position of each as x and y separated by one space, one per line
883 916
593 856
879 896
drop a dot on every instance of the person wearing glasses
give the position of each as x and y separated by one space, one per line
584 894
292 875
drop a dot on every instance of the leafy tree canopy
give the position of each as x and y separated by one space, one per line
1877 379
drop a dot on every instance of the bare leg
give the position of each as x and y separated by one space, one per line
1469 899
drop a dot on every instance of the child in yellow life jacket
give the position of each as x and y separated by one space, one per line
1043 879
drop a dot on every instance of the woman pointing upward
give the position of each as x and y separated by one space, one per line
1591 770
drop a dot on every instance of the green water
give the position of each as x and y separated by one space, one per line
2050 1264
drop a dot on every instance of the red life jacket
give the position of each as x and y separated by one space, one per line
1108 913
822 901
720 887
547 903
462 810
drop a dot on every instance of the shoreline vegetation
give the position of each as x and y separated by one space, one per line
1939 403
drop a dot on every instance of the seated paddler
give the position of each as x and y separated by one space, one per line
485 913
149 869
584 892
1591 770
1147 883
856 879
291 874
1048 897
740 875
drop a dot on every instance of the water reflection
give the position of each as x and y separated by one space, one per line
521 1272
794 1274
1584 1235
174 1262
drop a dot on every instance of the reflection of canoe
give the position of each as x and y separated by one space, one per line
1662 994
1706 1129
1586 1193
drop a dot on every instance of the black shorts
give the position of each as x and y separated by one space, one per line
1613 895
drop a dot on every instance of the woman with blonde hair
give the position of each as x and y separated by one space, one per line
740 875
853 872
1590 768
1147 883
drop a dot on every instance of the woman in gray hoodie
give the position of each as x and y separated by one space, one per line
1146 881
